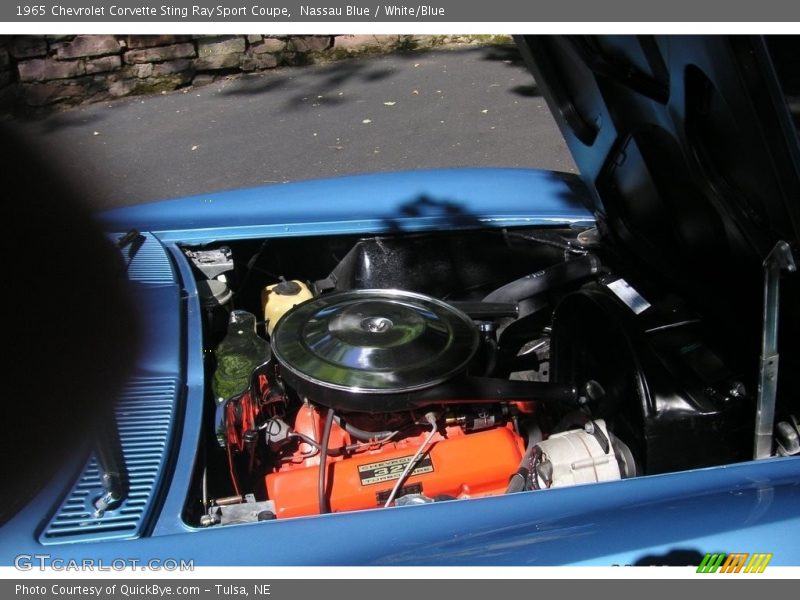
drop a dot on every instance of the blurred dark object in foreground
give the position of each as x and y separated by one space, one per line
68 326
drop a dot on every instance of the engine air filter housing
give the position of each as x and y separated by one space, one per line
355 350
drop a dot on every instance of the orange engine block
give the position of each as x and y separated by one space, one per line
456 465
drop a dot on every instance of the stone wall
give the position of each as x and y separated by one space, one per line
5 68
44 71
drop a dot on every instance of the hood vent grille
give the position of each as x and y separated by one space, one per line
145 416
150 263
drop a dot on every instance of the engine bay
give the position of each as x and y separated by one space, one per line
349 373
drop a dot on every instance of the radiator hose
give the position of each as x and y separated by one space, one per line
546 279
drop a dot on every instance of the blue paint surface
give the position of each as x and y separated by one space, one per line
408 201
750 507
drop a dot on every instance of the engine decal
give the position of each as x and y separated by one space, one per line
388 470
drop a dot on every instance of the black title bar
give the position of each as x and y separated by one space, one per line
455 11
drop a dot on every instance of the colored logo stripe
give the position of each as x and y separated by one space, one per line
711 563
735 562
758 563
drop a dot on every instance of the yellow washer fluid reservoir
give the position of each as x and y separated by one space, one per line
279 298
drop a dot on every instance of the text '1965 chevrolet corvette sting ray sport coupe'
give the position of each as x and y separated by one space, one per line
444 367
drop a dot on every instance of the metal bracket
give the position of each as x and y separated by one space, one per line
111 462
778 260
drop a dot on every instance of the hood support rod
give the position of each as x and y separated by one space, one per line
779 259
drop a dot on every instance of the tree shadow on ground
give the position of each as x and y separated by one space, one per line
320 84
54 121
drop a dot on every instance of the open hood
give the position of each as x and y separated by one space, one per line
687 146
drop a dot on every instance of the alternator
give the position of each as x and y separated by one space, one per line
585 455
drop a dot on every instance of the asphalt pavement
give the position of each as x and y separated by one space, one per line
474 106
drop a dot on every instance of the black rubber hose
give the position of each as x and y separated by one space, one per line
360 434
491 361
323 459
546 279
519 479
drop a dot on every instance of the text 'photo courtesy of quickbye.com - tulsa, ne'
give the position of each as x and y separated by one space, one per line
314 297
